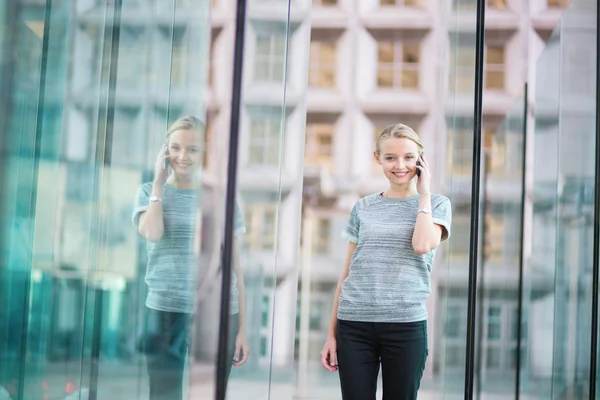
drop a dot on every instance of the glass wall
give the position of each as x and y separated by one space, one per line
559 277
112 260
101 296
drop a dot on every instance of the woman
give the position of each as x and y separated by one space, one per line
165 215
379 314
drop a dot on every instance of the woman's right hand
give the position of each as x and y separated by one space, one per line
160 172
329 355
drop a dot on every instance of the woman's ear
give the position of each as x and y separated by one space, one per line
377 157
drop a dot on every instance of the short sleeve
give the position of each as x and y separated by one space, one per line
442 215
351 233
141 203
239 227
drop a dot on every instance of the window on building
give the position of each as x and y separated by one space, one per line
494 323
179 61
269 64
494 67
454 355
462 68
317 314
261 226
264 346
558 3
265 311
494 238
319 145
454 331
398 64
408 3
454 322
493 357
325 3
459 247
321 236
132 65
322 63
460 150
497 4
265 141
464 5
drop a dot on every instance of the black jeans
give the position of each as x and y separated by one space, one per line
400 348
166 348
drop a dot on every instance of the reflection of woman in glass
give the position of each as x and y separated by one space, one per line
165 215
379 316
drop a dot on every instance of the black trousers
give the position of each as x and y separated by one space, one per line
400 348
166 348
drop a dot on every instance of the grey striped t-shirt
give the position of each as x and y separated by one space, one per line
388 281
171 270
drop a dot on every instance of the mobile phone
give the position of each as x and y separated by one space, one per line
167 160
419 164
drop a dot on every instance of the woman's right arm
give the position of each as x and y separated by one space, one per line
151 224
151 221
328 354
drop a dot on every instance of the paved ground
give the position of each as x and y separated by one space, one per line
129 382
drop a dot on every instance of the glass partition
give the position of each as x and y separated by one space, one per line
559 275
450 305
115 144
269 188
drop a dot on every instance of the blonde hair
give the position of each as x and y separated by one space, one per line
398 131
188 123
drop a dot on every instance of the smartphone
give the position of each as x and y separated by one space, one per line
167 160
419 164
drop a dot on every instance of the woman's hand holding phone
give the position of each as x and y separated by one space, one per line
161 170
423 176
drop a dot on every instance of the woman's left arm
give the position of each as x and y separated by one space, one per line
427 235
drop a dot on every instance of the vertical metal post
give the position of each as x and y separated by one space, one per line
475 194
596 260
227 253
522 249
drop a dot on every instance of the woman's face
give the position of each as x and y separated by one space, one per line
184 151
398 159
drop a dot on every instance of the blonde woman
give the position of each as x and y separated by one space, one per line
379 316
165 215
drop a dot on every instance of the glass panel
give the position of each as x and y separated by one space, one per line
451 276
272 136
494 67
576 131
106 290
